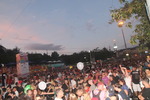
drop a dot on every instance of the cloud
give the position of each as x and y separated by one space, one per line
17 35
38 46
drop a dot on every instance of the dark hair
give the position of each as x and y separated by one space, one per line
28 90
122 80
14 87
4 89
48 84
117 85
24 98
12 92
9 86
111 76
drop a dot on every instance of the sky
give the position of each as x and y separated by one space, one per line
65 26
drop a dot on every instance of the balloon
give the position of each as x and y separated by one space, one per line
42 85
80 65
27 88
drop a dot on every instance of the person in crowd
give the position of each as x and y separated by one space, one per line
73 85
4 77
7 93
79 93
109 72
13 95
136 80
92 85
4 91
72 96
20 89
147 75
15 90
9 79
39 97
100 92
115 77
49 92
145 94
29 94
15 79
86 87
123 86
35 93
111 80
113 98
59 94
105 79
127 77
121 94
65 87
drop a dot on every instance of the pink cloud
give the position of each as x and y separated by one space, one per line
18 35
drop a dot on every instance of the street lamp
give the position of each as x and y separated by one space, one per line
90 55
120 24
115 47
127 54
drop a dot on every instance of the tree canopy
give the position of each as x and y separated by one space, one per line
8 56
134 10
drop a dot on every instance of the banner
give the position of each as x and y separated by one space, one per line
22 63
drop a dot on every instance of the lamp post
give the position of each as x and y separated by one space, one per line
115 48
120 24
90 55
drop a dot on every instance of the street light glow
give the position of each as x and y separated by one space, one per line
115 47
127 54
120 23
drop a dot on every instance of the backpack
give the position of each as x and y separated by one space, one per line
96 97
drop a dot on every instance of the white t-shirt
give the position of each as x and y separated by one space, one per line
16 80
73 82
58 99
17 93
128 82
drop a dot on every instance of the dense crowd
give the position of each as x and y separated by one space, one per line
110 81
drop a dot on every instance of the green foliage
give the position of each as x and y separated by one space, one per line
8 55
134 9
55 55
84 56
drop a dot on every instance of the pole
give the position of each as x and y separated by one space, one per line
90 56
124 38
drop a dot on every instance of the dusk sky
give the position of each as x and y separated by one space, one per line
65 26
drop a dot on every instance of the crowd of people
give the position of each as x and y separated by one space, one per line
110 81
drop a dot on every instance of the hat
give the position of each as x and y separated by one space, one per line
19 82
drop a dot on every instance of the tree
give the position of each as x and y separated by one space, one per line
55 55
134 9
8 55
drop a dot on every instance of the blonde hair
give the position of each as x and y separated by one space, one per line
86 96
72 96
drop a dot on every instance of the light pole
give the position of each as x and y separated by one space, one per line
115 48
120 24
90 55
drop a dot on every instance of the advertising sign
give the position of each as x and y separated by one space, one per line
22 63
